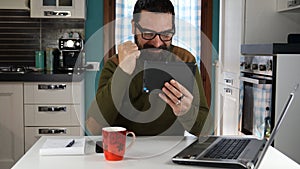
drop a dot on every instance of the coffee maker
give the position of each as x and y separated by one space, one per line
70 58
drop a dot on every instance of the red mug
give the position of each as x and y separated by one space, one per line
114 142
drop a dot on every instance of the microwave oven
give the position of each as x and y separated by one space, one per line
58 9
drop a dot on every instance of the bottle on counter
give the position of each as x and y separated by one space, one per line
49 59
39 60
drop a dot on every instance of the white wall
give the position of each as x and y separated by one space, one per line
287 139
263 24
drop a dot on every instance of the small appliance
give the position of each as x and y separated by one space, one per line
70 58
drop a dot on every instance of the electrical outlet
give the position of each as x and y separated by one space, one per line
93 66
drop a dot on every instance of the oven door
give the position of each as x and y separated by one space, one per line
255 105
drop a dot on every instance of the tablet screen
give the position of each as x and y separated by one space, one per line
157 73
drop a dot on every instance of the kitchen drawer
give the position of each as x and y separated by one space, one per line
52 92
32 134
52 115
229 110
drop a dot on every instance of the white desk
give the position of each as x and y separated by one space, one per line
154 153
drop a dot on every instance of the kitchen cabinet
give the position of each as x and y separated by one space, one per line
228 108
231 35
11 123
14 4
58 9
284 6
228 67
53 108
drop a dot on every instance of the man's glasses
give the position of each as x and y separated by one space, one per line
150 34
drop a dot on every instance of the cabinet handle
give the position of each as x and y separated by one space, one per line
6 94
51 109
53 131
228 81
255 80
57 13
51 87
228 91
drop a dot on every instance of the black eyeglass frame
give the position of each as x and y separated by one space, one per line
143 30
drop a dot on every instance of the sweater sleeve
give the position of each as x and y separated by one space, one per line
113 85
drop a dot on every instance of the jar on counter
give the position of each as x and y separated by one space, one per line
39 59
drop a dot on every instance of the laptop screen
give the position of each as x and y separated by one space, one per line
276 127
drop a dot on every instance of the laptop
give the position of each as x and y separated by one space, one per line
230 151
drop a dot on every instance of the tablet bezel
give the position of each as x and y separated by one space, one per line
156 73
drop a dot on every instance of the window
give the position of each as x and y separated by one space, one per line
188 22
202 20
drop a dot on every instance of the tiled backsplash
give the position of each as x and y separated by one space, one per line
21 36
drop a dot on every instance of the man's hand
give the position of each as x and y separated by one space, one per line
177 96
128 53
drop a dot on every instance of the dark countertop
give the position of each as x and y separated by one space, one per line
41 77
271 49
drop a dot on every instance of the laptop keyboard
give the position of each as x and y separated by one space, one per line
227 149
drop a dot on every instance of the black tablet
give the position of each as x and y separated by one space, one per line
156 73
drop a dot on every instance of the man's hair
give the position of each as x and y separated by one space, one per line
160 6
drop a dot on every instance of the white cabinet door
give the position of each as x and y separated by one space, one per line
52 115
11 124
58 9
231 38
229 111
32 134
231 35
52 92
227 114
287 6
53 108
14 4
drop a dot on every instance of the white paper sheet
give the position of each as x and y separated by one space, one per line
55 146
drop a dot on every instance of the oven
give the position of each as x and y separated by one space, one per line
257 95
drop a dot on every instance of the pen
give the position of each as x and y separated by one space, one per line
71 143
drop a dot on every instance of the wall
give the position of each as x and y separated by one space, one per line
21 36
215 52
94 46
263 24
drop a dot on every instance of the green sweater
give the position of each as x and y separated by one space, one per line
122 103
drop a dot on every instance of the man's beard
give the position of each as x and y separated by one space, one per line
149 52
